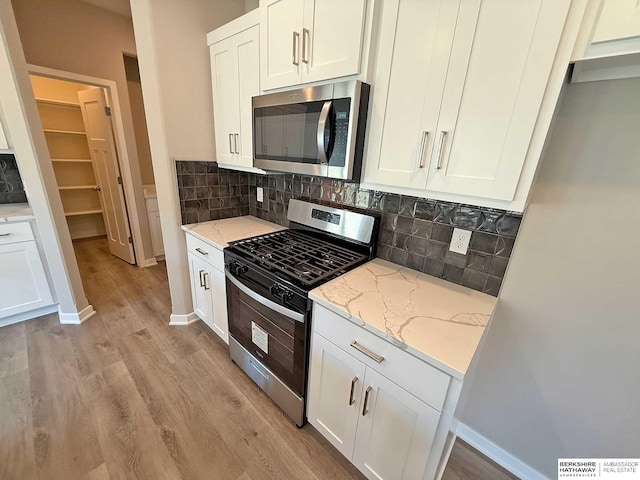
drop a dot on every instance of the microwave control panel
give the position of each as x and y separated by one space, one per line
341 111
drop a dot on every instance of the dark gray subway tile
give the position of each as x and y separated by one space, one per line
484 242
498 266
441 233
474 279
433 267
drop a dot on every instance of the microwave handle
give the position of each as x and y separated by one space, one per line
320 137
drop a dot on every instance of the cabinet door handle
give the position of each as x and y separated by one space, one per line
353 387
204 277
5 234
367 352
365 407
236 141
230 143
202 252
201 281
423 146
296 41
443 135
305 44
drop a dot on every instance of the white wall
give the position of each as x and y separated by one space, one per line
559 374
19 111
176 82
73 36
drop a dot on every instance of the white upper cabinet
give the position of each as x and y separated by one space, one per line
310 40
501 58
618 20
457 94
235 76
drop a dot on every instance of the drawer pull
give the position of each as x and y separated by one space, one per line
5 234
365 407
367 352
353 386
202 252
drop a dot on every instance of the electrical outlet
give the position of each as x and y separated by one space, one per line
460 241
260 194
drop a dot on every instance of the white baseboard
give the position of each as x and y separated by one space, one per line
183 319
21 317
76 318
497 454
148 262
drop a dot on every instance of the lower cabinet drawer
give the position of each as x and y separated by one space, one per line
15 232
417 377
210 254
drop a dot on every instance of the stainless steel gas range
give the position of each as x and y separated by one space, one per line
268 281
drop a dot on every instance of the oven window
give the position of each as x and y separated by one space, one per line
287 132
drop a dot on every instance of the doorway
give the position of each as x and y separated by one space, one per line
76 119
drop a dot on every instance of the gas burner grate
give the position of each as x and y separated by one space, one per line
300 256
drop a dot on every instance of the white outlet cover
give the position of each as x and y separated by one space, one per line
260 194
460 241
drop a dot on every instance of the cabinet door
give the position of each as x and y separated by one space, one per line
618 20
411 66
332 38
247 62
225 99
215 281
156 233
501 58
395 431
335 392
280 42
23 283
200 292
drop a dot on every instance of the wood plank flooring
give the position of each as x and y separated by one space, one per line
126 396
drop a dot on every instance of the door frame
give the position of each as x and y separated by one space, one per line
123 154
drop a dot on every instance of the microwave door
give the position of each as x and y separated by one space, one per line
324 137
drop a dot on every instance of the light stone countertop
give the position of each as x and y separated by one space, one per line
16 212
221 232
434 320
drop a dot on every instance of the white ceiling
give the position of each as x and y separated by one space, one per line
121 7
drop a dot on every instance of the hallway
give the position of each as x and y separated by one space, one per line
125 395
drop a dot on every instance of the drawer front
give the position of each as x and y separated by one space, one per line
417 377
15 232
207 252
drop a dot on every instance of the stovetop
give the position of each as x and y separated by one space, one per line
299 256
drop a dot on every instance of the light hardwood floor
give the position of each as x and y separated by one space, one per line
126 396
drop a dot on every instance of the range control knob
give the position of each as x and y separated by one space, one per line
237 268
280 292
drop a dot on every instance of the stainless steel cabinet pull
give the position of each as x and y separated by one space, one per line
202 252
305 43
443 135
4 234
423 145
296 41
367 352
201 281
204 277
230 140
365 407
353 387
236 141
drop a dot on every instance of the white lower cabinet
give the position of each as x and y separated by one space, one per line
23 282
388 431
208 288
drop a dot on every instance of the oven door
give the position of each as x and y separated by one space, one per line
271 332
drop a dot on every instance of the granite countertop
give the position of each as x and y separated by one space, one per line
220 232
16 212
434 320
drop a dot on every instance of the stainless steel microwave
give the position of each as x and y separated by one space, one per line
312 131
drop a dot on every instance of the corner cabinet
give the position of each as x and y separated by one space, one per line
208 288
306 41
235 75
386 411
458 91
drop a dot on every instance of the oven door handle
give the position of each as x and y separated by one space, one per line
320 137
298 317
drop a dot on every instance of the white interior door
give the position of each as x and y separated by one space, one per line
225 100
247 60
395 431
332 38
97 125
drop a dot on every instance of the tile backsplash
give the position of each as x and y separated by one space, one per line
11 188
414 232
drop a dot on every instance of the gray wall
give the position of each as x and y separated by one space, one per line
559 373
